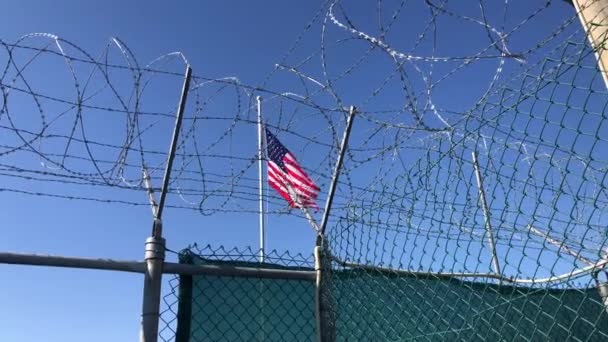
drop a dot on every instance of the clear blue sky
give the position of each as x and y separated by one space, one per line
223 38
220 39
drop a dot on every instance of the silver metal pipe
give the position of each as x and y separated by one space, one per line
155 245
253 272
150 312
566 276
318 275
260 180
173 146
602 289
419 273
325 327
238 271
559 244
337 168
140 267
83 263
486 214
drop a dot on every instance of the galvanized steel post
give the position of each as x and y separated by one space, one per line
154 258
318 319
155 245
324 316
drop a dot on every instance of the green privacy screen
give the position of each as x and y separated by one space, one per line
244 309
383 306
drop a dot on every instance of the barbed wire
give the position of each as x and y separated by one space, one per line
434 83
94 121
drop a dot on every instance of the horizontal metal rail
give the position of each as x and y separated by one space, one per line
418 273
140 267
239 271
566 276
258 272
59 261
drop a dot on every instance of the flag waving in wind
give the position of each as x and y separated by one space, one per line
286 176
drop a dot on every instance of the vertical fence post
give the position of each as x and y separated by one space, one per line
318 294
155 245
154 258
324 314
325 320
602 289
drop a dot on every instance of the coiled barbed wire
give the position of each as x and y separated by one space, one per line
407 192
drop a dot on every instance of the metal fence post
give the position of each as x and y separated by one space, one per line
318 307
155 245
324 316
154 258
325 320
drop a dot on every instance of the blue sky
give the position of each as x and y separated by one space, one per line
241 39
220 39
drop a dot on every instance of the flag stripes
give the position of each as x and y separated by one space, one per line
287 177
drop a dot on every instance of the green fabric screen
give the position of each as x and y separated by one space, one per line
378 306
383 306
215 308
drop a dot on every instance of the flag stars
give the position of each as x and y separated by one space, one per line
275 150
287 177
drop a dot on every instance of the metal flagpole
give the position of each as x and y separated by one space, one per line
260 180
262 227
155 244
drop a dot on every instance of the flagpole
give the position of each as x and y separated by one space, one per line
261 181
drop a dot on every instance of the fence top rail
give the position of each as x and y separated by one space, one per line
246 271
566 276
139 267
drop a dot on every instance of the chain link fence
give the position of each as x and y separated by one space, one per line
494 228
473 199
233 308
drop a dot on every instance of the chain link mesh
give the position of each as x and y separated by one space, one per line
542 141
235 308
412 257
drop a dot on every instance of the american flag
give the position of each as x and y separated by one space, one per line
286 176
